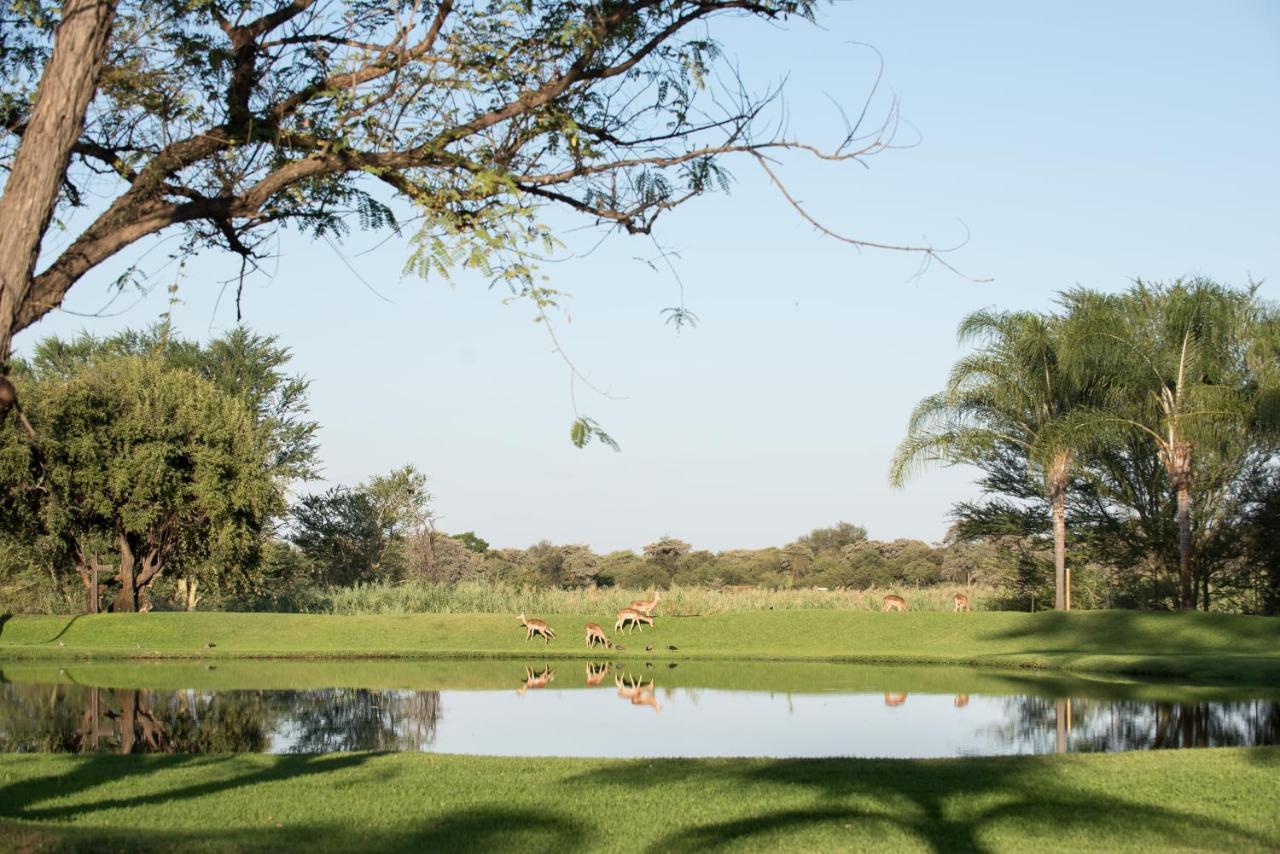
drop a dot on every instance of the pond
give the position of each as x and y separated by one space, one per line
622 709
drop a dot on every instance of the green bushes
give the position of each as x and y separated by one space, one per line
497 598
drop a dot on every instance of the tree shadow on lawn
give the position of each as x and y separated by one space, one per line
468 830
18 800
945 806
472 829
1145 633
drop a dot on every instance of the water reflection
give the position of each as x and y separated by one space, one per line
588 721
636 691
540 679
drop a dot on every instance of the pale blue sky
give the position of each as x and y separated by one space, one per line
1082 143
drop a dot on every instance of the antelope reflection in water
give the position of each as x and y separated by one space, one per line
635 690
596 673
894 698
541 679
960 701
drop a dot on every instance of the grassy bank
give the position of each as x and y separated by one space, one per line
1218 800
1187 646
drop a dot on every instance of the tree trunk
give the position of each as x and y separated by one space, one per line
1060 600
40 162
126 598
1184 548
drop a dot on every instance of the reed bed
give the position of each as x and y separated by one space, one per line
474 597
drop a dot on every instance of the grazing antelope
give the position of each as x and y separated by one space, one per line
536 627
632 616
962 603
893 602
595 635
596 673
646 606
960 701
536 680
894 698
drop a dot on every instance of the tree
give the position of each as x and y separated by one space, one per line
1012 400
153 462
1173 359
224 121
472 542
833 539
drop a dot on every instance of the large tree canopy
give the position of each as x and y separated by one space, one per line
231 118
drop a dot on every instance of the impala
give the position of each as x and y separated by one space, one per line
536 627
962 603
595 635
646 606
893 602
632 616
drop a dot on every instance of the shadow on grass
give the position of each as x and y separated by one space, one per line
468 830
944 806
1150 633
4 618
18 800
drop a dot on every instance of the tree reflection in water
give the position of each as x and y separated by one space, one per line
1042 725
82 719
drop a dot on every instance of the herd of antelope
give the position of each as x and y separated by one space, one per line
637 615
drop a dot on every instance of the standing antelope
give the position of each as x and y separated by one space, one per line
893 602
595 635
962 603
536 627
646 606
632 616
536 680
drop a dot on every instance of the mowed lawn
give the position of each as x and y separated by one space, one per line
1219 800
1188 646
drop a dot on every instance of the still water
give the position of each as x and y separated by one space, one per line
604 709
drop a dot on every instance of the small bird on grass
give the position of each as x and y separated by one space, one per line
648 647
672 665
210 645
672 648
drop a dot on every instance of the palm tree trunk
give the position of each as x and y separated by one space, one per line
1061 599
1184 548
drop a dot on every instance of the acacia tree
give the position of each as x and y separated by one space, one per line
152 462
230 119
1012 400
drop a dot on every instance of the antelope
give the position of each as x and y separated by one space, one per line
536 627
646 606
894 698
595 635
632 616
962 603
596 673
893 602
960 701
536 680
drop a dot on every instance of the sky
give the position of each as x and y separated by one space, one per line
1073 144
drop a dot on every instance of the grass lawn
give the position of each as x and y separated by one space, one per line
1221 800
1177 645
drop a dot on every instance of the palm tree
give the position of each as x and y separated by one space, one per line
1173 360
1011 396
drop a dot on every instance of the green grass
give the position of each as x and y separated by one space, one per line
1227 799
1190 646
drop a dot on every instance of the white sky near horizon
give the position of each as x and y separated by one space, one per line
1084 144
